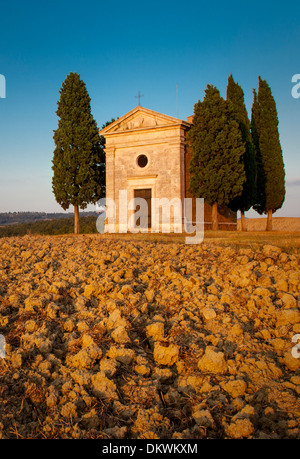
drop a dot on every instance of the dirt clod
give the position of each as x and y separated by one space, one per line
115 338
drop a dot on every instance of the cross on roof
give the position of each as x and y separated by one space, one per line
139 97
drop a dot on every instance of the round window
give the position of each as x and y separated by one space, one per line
142 160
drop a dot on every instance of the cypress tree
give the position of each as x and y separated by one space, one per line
217 172
270 166
243 202
260 198
79 158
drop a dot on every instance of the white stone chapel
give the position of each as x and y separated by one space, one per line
147 157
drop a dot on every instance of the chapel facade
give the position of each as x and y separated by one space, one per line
147 156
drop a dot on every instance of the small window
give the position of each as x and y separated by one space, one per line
142 160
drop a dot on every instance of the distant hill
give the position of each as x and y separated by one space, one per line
13 218
54 226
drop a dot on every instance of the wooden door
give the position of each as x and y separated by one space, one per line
145 221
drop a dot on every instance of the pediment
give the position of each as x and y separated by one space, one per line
140 118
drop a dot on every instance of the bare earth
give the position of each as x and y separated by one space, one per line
117 338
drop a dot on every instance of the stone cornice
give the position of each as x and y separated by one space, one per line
133 122
139 177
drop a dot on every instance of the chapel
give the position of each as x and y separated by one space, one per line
147 156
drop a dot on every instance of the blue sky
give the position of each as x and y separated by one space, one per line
120 48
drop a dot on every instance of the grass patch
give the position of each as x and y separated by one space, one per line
255 239
287 240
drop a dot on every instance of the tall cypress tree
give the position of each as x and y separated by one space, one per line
243 202
79 158
270 165
217 171
260 198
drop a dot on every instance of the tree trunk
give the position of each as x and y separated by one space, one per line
76 219
243 221
214 216
269 220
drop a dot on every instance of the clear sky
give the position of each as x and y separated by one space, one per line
120 48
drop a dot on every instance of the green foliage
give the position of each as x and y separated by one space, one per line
50 227
79 158
102 138
236 96
270 166
260 200
216 167
9 218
